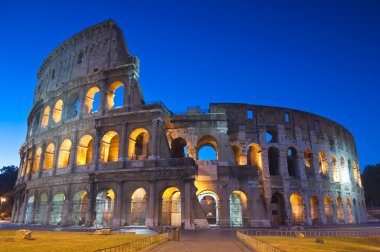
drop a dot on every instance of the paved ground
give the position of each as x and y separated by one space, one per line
204 241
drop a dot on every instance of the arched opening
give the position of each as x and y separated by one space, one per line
29 210
335 170
273 158
298 208
329 209
91 101
340 211
254 155
207 148
49 157
84 153
238 209
344 171
115 95
323 164
138 208
236 151
308 158
104 208
349 211
79 208
57 111
72 106
41 209
278 206
57 209
37 160
292 161
314 209
179 148
45 117
138 144
64 154
171 207
109 147
209 202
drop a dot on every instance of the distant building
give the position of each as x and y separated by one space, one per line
95 160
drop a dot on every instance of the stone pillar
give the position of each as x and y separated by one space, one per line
96 150
42 159
187 205
127 91
103 99
118 206
67 208
301 165
150 220
322 212
306 202
316 166
48 207
91 204
73 156
155 136
56 154
31 163
224 217
25 206
335 207
123 142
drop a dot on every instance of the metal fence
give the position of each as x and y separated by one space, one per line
309 233
136 245
257 245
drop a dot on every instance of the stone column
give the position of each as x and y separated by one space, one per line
33 150
187 205
118 206
316 166
335 208
155 136
150 220
301 165
127 91
224 217
306 202
91 204
96 150
123 142
322 212
73 156
48 207
25 206
103 98
56 155
42 159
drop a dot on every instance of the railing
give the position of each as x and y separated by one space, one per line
257 245
136 245
310 233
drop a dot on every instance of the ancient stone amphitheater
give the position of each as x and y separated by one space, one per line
96 154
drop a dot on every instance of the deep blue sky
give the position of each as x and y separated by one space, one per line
319 56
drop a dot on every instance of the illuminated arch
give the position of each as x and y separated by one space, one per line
138 147
171 207
254 155
45 117
335 169
64 154
178 148
105 200
209 202
57 209
79 204
329 209
314 209
238 209
84 151
37 160
323 164
340 211
138 207
308 158
350 213
49 157
57 111
109 147
41 209
207 141
115 89
298 208
89 106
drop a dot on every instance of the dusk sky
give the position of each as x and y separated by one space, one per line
319 56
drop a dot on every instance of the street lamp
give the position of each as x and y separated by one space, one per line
2 199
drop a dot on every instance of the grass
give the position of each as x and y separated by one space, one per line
331 243
63 241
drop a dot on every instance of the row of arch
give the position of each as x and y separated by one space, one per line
91 104
298 209
108 151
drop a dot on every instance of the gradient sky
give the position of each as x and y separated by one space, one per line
319 56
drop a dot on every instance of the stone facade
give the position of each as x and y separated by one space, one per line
92 160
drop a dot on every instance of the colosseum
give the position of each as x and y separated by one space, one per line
97 155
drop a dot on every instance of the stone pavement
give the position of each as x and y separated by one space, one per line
204 241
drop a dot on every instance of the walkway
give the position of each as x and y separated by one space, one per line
204 241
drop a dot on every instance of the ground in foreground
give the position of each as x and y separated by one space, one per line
331 243
63 241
